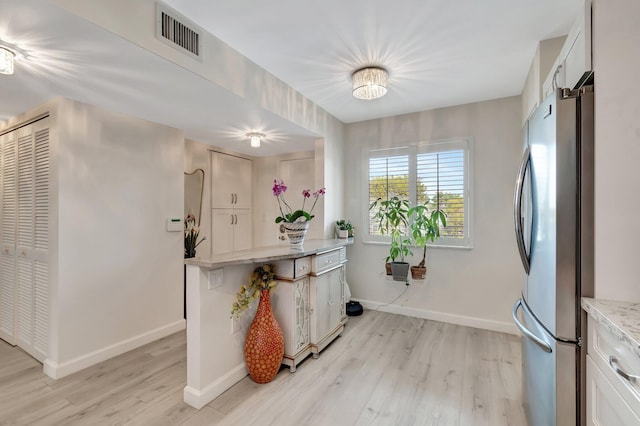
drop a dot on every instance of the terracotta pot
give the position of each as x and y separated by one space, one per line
387 267
418 273
264 344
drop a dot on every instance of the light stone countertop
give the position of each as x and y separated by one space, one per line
622 319
268 254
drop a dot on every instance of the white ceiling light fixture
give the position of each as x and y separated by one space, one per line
255 139
6 60
8 54
370 83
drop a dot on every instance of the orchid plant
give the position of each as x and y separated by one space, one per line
287 214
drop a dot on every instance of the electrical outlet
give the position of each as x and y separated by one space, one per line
216 278
235 325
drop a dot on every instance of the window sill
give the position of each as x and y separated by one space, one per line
436 246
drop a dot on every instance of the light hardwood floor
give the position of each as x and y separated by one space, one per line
385 370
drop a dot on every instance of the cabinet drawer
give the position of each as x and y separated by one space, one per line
602 347
293 268
325 261
606 406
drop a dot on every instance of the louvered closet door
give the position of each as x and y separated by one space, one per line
8 143
32 230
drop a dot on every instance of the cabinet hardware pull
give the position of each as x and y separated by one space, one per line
613 362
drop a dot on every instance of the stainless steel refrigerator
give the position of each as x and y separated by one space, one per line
554 231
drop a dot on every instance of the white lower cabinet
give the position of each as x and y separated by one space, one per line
309 303
613 391
327 295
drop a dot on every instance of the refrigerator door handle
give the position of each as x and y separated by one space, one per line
517 209
538 341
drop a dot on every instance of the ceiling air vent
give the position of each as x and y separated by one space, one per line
176 30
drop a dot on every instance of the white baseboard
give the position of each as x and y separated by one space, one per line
484 324
57 371
199 398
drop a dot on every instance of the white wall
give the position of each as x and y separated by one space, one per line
474 287
616 63
120 273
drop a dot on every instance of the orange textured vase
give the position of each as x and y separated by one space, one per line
264 346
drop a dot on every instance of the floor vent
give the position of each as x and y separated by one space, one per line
176 30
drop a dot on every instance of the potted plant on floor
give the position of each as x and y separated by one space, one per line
392 218
425 228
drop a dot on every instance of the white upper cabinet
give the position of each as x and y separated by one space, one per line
573 65
543 61
230 181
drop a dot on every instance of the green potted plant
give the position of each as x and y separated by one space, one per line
343 228
392 218
425 228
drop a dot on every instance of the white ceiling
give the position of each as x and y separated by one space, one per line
438 53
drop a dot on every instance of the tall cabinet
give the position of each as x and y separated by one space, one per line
24 237
231 182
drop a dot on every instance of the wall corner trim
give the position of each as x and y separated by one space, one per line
199 398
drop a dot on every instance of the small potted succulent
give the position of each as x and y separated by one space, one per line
425 228
392 218
344 228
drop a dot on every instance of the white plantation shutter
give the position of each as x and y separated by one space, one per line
25 234
8 234
433 173
388 178
441 184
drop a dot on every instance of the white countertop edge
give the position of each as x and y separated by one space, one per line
269 254
622 319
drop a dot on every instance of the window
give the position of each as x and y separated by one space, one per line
433 173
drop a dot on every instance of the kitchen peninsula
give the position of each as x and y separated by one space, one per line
308 302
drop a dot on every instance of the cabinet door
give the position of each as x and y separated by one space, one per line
325 303
577 51
231 181
222 224
242 235
301 339
605 406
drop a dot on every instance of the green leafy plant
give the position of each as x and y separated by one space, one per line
262 278
425 227
392 218
344 225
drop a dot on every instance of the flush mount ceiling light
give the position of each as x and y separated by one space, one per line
370 83
255 139
8 53
6 60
